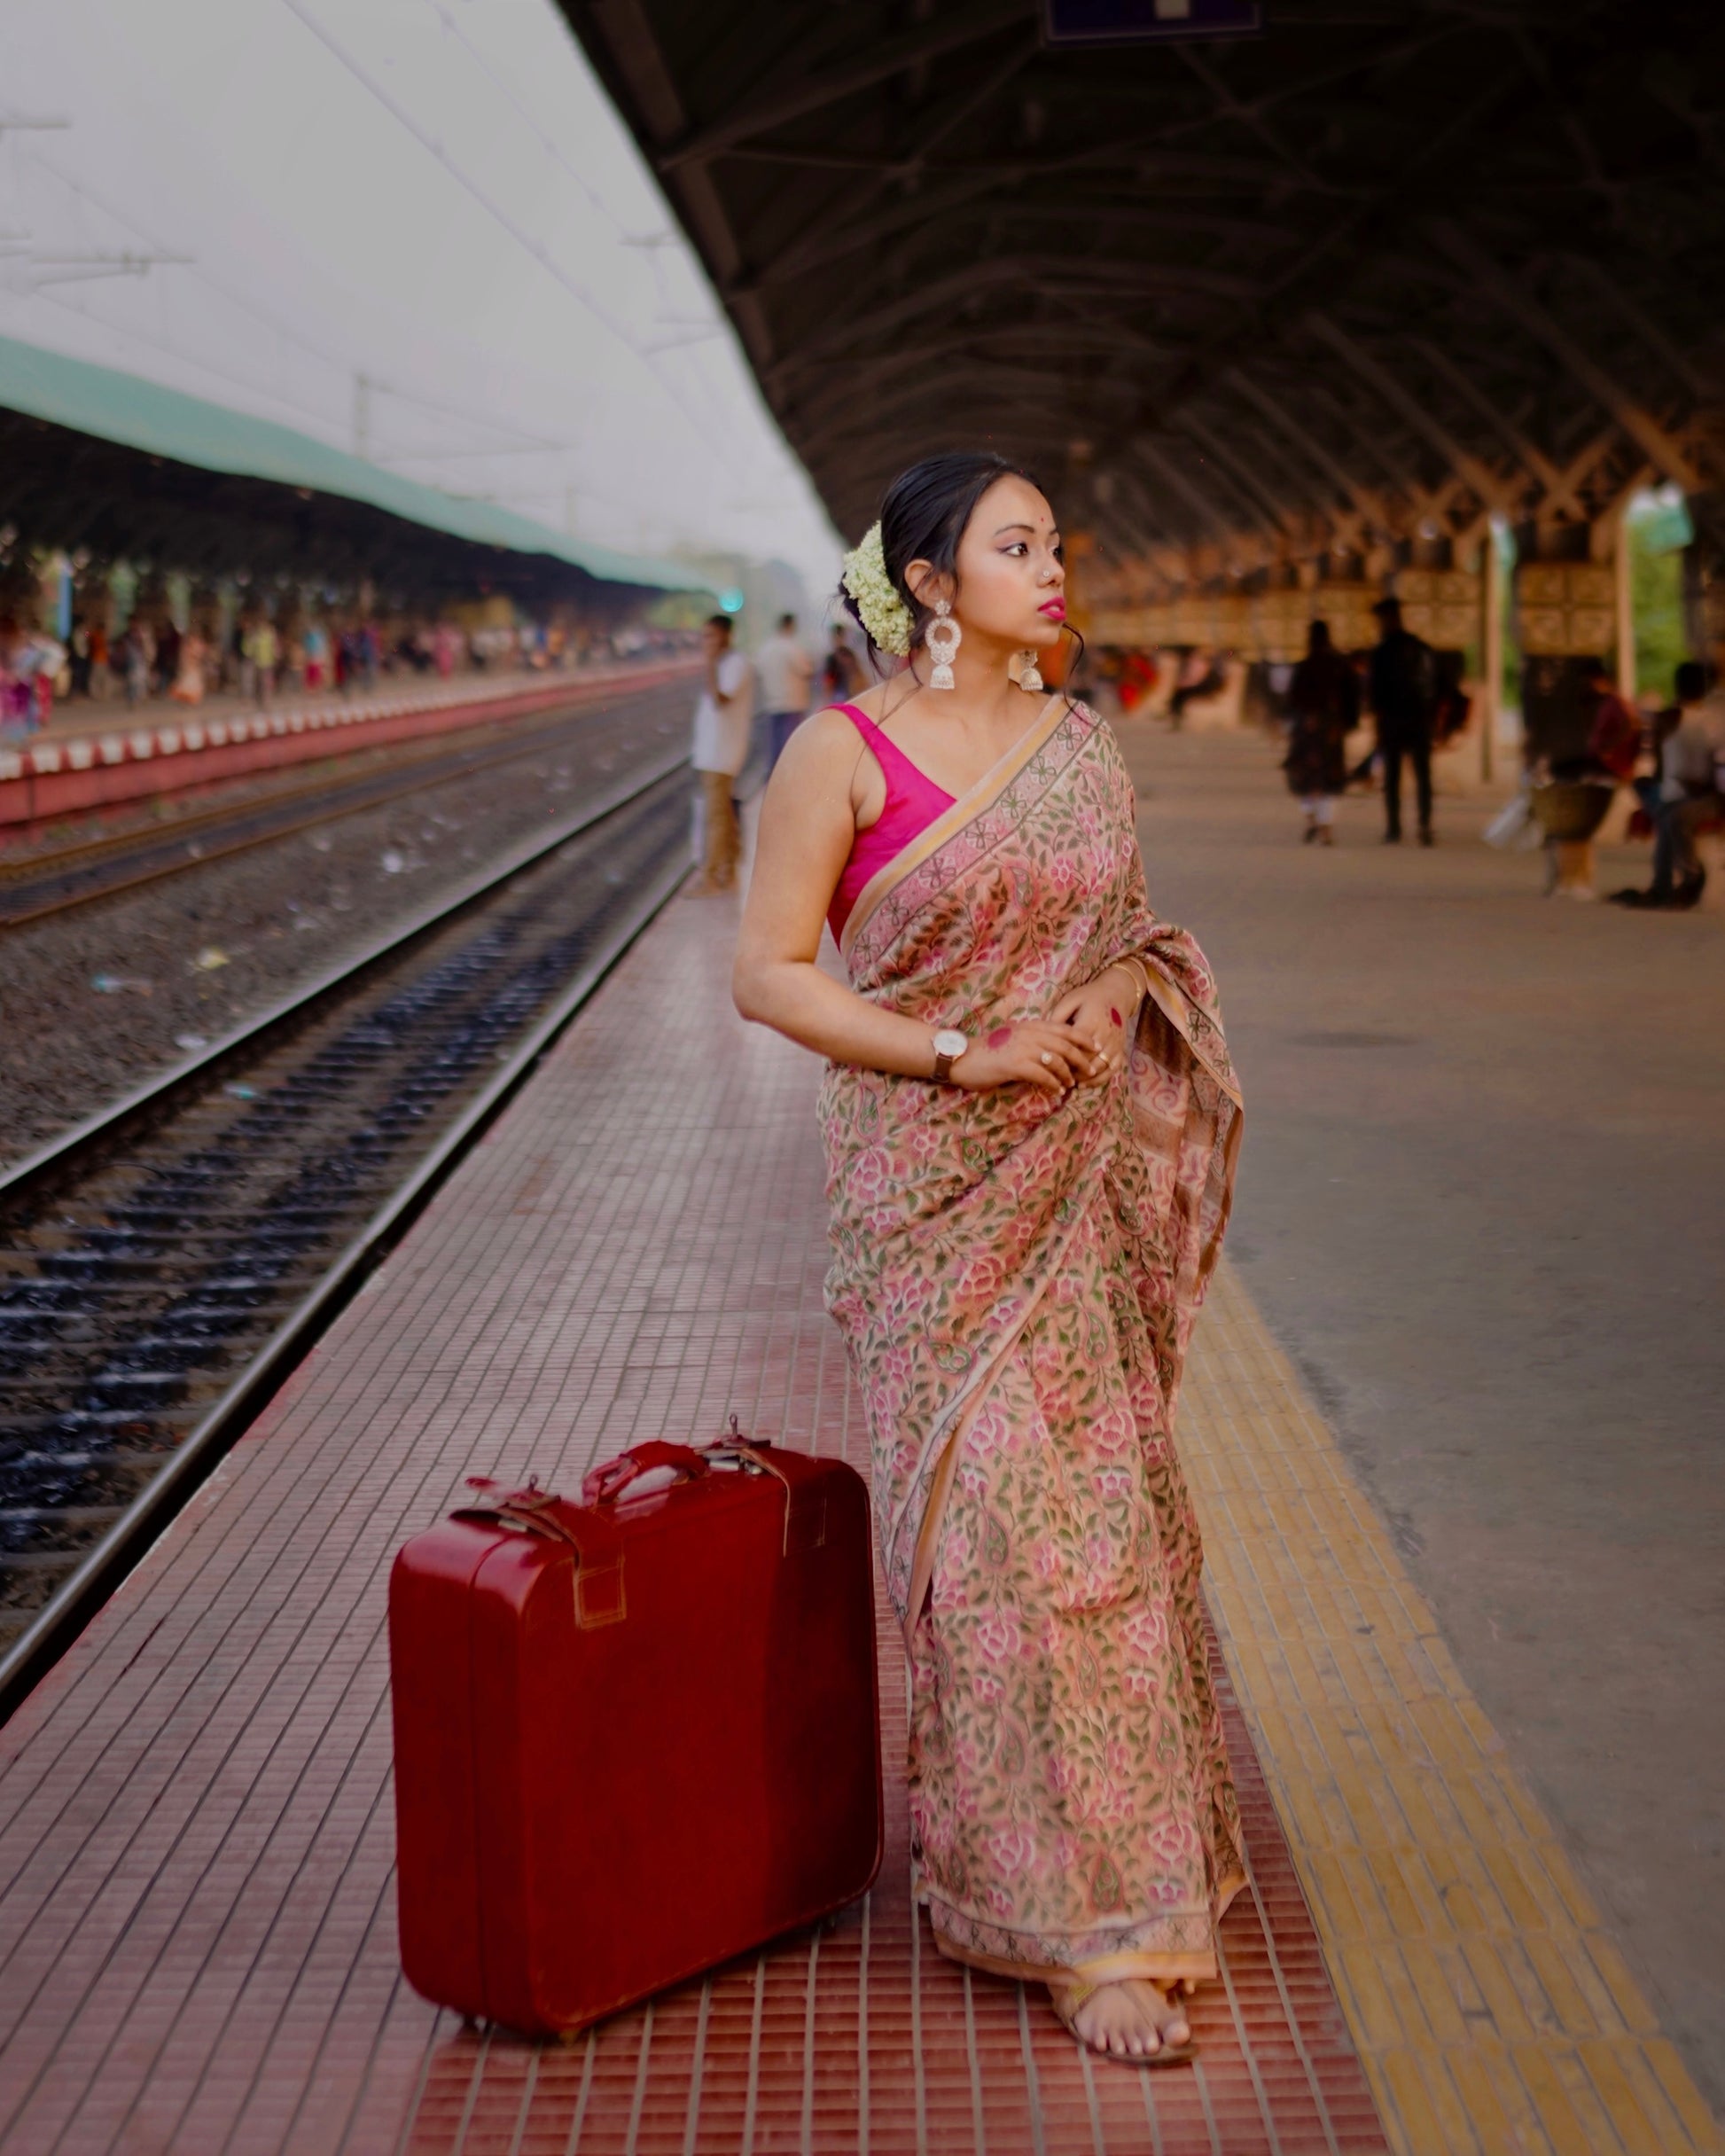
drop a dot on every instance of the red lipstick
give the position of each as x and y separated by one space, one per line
1053 610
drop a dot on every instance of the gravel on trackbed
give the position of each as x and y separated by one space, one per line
186 960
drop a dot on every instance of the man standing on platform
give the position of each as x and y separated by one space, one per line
1685 796
723 718
783 673
1403 683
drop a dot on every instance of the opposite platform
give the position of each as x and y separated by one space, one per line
67 771
197 1914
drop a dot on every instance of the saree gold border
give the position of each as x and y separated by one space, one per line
951 821
1487 1998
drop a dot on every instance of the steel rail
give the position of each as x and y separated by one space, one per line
59 1151
84 1591
435 766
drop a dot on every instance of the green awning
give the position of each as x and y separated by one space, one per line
142 414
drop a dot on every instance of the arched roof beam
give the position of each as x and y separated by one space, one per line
819 244
778 105
1652 335
1241 480
836 381
1368 438
1202 505
1479 475
1052 384
1540 467
1133 475
822 242
1272 457
1131 155
1310 446
1560 484
1661 448
1043 274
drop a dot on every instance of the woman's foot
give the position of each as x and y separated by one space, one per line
1133 2020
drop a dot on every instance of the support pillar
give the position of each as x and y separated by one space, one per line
1623 605
1491 647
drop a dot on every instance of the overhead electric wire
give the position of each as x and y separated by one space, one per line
343 368
539 252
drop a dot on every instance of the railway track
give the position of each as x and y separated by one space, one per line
165 1263
71 876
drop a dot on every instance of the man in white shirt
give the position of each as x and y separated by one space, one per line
782 672
723 718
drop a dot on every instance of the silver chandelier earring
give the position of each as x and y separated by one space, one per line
1029 674
942 639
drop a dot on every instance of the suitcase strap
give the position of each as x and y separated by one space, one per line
805 1508
584 1530
587 1530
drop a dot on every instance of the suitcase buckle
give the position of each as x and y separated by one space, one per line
600 1596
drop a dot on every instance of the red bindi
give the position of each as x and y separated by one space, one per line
1000 1037
1115 1015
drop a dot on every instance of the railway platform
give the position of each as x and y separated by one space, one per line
90 760
197 1922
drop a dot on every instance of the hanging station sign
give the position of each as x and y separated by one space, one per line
1281 621
1565 609
1346 608
1442 605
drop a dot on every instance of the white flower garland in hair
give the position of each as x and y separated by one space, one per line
885 614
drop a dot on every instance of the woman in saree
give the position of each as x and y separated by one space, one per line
1030 1123
1323 708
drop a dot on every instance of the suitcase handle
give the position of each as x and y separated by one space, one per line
606 1484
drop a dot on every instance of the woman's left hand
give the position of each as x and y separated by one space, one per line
1103 1010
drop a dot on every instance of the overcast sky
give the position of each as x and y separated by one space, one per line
411 228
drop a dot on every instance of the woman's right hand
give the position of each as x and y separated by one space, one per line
1052 1058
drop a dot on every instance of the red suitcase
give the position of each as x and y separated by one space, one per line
635 1736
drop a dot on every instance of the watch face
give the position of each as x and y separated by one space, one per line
948 1041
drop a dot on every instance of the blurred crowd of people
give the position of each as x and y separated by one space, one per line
257 659
1672 756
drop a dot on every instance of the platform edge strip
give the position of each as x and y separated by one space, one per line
1559 2048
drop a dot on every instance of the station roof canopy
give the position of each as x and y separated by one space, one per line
91 457
1380 270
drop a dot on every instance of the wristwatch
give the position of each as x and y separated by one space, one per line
949 1045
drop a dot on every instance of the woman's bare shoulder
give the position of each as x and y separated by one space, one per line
869 701
831 732
825 747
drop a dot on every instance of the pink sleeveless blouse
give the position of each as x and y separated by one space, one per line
913 803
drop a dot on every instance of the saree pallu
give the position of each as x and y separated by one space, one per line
1016 1278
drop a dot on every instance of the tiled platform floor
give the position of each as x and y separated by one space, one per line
197 1920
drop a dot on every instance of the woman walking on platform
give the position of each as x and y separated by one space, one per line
1323 708
1030 1123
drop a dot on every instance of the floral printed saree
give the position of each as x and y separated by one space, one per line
1016 1278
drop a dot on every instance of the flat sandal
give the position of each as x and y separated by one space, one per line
1066 1998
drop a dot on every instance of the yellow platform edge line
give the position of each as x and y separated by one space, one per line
1489 2005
